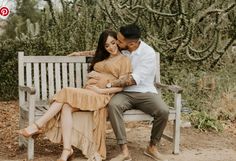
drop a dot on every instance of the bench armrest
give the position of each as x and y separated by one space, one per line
30 90
173 88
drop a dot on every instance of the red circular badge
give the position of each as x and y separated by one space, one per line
4 11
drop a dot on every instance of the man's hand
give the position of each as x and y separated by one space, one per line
94 74
124 81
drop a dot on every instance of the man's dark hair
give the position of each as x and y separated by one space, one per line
131 31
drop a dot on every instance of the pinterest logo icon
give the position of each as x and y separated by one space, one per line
4 11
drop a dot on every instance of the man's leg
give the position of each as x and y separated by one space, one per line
116 107
153 104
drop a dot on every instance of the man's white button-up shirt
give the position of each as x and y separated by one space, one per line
143 61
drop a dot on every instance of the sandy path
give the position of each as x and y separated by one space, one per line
195 145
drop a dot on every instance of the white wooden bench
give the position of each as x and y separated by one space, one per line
40 77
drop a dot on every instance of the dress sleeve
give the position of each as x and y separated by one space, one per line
125 66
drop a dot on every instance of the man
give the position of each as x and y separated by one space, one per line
139 93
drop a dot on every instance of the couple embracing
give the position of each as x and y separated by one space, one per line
121 78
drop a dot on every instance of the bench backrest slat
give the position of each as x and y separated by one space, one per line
85 71
43 81
29 75
78 75
36 79
71 75
64 75
58 76
50 80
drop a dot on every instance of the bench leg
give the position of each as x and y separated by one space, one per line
23 142
176 137
176 129
31 121
30 149
21 139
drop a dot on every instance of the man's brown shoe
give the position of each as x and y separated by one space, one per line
121 157
154 154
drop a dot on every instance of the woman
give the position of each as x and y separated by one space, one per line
77 116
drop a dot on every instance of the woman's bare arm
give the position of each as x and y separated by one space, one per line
111 90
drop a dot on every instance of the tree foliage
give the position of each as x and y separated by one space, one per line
194 30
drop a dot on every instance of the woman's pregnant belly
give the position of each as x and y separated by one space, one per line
102 81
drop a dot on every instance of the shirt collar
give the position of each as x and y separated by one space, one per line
138 50
135 52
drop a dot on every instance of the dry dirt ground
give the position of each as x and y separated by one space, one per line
195 145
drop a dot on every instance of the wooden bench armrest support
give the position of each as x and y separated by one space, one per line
173 88
30 90
31 98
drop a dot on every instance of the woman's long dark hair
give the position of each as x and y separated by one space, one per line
101 53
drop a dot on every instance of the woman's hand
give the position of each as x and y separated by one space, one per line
95 89
94 74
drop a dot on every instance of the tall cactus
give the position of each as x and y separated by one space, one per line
32 28
180 26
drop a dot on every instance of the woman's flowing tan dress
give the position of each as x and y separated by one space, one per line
89 124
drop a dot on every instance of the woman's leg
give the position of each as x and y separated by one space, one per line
54 108
66 125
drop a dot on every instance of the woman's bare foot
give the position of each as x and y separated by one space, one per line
66 154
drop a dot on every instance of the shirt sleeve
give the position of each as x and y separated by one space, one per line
146 65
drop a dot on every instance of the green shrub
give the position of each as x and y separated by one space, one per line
9 73
203 121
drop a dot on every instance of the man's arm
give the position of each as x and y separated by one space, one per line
139 74
123 81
